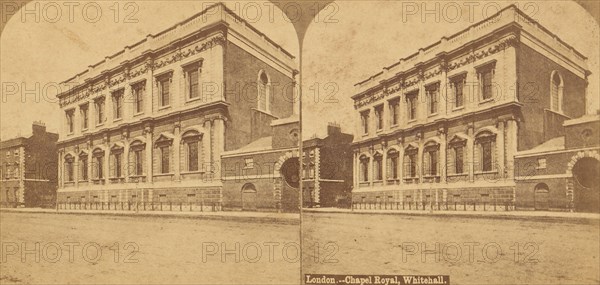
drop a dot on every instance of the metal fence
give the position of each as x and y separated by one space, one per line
435 206
142 206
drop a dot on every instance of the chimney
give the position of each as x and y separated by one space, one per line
38 127
333 128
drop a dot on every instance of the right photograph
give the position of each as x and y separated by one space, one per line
451 143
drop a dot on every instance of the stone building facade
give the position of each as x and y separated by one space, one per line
151 122
28 169
444 125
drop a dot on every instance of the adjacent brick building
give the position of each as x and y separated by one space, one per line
445 124
28 169
327 169
152 122
563 172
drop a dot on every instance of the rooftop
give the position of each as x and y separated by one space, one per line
510 14
167 36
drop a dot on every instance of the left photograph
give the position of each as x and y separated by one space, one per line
149 142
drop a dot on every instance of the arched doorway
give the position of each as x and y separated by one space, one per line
249 197
586 185
290 190
540 197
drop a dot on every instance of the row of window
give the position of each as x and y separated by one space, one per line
457 85
484 155
138 93
164 84
11 172
191 142
16 152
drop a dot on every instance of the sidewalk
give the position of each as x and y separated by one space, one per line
530 215
260 217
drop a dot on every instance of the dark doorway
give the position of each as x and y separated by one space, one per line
290 190
249 197
540 197
586 184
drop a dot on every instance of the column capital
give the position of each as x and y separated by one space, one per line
148 129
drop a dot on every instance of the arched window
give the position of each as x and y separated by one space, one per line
263 92
377 167
410 162
136 158
364 168
69 168
116 155
191 141
485 149
83 166
98 163
431 158
392 164
556 92
456 155
164 144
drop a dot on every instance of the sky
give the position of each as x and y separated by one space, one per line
348 42
369 35
48 50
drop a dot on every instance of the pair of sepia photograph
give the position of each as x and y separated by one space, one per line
345 142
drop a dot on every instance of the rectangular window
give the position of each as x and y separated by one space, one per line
192 83
541 163
364 117
138 91
486 156
432 99
70 123
379 117
192 156
458 159
118 104
165 85
139 167
486 75
100 111
248 163
395 112
164 159
84 116
412 105
458 86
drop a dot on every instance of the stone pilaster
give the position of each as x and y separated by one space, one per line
148 168
471 151
177 151
500 147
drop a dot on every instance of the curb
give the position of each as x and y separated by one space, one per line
480 215
252 219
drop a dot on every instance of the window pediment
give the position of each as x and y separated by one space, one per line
164 140
192 135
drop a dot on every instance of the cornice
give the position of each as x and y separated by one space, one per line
408 79
94 86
